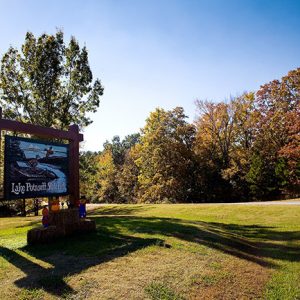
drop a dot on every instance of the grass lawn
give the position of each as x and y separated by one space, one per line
159 252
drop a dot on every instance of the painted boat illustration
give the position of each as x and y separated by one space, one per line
24 171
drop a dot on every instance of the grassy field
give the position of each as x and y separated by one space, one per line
160 252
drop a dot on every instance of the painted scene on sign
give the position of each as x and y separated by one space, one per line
35 168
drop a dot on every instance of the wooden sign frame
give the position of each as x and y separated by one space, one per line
72 135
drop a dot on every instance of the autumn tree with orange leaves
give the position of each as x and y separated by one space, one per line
246 148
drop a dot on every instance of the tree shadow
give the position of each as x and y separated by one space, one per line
69 256
117 210
259 232
35 274
117 236
253 243
30 223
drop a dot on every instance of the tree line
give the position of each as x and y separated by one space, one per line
242 149
247 148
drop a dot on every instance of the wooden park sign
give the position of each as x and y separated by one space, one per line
37 168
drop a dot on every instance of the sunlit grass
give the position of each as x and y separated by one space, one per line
160 251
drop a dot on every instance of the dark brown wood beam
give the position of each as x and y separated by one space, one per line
74 167
40 130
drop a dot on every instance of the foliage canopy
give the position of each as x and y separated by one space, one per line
48 82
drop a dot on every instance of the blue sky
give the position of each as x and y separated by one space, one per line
164 53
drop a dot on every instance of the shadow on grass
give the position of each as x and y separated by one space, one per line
261 232
252 243
117 236
30 223
70 256
118 210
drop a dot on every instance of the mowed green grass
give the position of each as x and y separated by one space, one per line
183 251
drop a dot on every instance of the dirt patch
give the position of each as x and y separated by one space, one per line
236 279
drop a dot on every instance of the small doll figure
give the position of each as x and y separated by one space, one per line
45 219
82 207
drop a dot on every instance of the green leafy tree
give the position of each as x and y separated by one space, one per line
116 172
48 82
88 175
165 157
120 147
106 177
127 177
